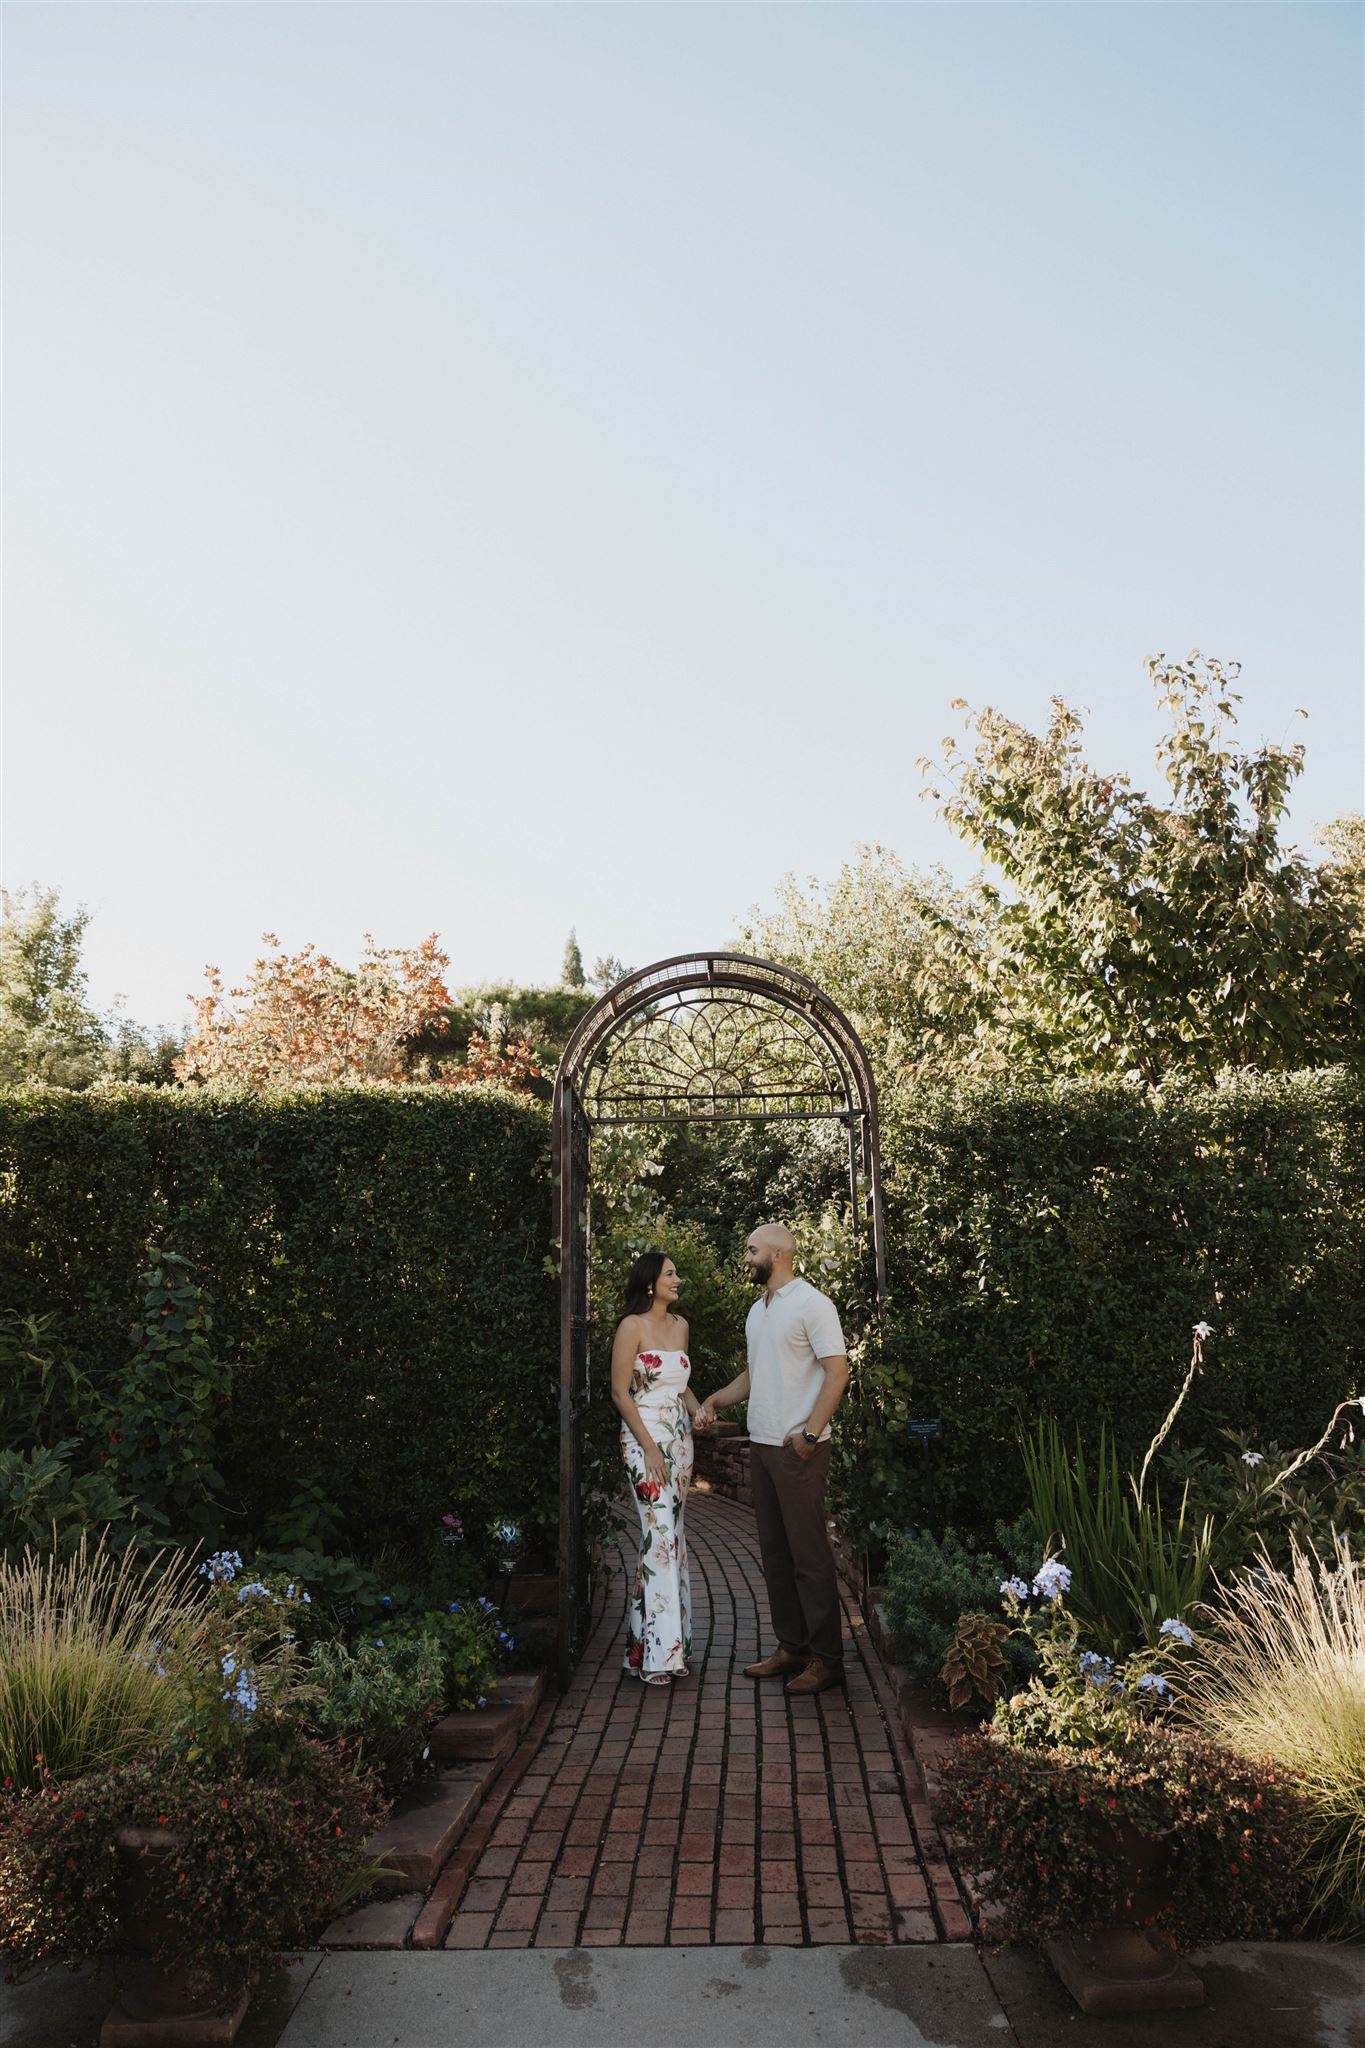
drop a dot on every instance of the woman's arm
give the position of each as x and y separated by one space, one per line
624 1349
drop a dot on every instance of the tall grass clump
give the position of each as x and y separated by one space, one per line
1133 1562
1279 1672
85 1642
1133 1565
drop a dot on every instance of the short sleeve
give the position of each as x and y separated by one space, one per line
823 1331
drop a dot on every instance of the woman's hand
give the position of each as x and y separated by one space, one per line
655 1468
704 1417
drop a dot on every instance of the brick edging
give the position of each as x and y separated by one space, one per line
926 1738
433 1921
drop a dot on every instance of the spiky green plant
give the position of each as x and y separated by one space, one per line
1279 1671
1133 1563
83 1643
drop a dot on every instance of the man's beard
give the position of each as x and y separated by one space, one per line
762 1274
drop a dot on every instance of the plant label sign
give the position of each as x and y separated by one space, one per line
920 1432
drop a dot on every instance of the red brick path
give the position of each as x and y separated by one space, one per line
716 1809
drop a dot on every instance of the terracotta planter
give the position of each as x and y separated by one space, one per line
189 2003
1127 1968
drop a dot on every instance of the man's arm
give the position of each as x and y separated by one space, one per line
831 1394
738 1390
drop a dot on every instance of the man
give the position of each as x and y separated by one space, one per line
797 1376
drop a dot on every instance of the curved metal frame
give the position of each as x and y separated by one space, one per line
665 1018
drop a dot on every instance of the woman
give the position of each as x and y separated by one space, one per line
649 1375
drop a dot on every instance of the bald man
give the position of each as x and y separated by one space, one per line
796 1378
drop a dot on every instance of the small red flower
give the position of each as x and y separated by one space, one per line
637 1655
648 1489
650 1358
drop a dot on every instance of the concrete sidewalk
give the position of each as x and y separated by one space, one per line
1276 1995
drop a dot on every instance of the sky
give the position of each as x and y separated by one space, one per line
495 469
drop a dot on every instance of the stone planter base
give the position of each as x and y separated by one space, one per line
721 1464
174 2030
1124 1970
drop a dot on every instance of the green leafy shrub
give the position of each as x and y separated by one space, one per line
931 1580
55 1475
86 1645
1280 1672
1043 1826
380 1695
470 1640
1046 1238
161 1412
1256 1513
258 1864
376 1260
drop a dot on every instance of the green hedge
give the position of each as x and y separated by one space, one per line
376 1263
1051 1247
375 1260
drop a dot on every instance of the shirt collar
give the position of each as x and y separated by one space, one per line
778 1292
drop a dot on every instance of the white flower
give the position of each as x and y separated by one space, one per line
1152 1681
1017 1586
1054 1579
1253 1458
1202 1330
1178 1631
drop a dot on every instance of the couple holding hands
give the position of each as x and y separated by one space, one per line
795 1379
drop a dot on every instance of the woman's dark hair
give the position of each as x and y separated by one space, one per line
641 1281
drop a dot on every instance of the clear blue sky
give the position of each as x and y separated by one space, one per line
498 468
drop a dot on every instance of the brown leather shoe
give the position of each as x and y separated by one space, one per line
777 1666
818 1676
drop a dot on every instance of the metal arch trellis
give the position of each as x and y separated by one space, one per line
703 1037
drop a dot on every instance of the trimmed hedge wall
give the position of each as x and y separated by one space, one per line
376 1264
375 1261
1051 1247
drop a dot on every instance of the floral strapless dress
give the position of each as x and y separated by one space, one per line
659 1621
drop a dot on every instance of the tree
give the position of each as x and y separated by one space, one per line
571 974
902 952
606 972
305 1018
49 1030
1149 937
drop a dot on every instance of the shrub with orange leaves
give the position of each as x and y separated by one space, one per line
509 1064
303 1017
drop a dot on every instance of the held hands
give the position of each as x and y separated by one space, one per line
704 1418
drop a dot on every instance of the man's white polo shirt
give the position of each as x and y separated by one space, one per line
788 1333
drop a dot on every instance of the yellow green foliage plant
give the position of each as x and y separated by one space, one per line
1279 1671
86 1645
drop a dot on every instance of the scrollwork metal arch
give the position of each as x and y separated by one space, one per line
659 1024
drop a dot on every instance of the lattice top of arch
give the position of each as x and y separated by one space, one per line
716 1036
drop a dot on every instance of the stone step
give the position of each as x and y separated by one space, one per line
489 1734
384 1923
427 1822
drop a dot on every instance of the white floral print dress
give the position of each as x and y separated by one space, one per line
659 1622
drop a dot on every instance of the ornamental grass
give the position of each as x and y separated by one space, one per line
82 1643
1280 1673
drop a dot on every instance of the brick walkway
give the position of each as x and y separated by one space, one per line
716 1809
